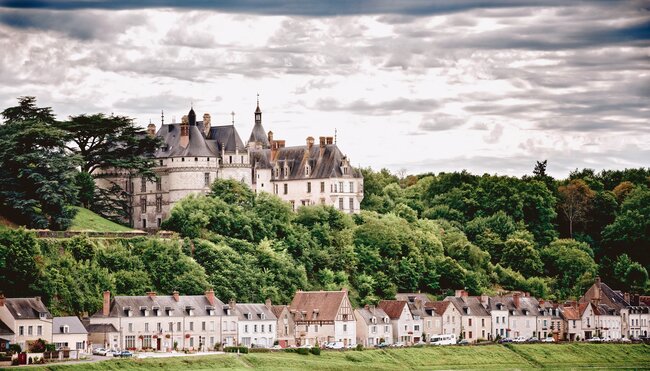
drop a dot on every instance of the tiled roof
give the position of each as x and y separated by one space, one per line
470 302
411 297
73 323
100 328
438 306
26 308
368 313
527 305
277 310
571 313
199 304
393 308
256 311
613 299
325 303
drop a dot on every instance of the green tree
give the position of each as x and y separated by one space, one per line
575 202
569 265
20 263
630 232
37 183
521 256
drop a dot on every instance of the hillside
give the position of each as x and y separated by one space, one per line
86 220
490 357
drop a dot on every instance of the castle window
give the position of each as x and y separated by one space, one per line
345 170
286 188
158 184
277 172
341 187
158 203
159 222
308 187
351 187
275 189
143 204
307 170
161 162
242 159
144 223
182 159
341 203
230 159
286 171
196 158
322 187
206 179
143 185
351 204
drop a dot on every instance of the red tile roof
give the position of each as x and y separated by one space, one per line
325 303
393 308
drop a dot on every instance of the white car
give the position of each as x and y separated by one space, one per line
519 339
100 352
548 340
335 345
595 339
306 346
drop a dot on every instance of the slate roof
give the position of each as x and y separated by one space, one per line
199 303
609 297
27 308
259 135
527 305
368 313
4 329
100 328
393 308
469 302
411 297
323 165
171 137
256 310
74 325
225 137
327 304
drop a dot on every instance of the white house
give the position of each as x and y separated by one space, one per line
27 318
69 333
373 326
323 316
256 325
407 328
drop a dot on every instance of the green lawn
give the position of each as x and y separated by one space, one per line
86 220
489 357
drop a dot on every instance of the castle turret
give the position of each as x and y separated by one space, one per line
258 135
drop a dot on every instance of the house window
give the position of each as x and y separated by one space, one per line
345 327
270 328
341 203
171 326
286 188
470 334
206 179
80 345
322 187
191 326
130 341
293 205
386 329
39 330
416 327
341 187
144 223
21 330
158 222
143 204
143 185
275 189
158 184
191 341
230 160
308 187
246 328
470 321
146 341
307 170
254 328
351 186
178 326
158 204
497 320
130 327
146 327
351 204
203 326
30 330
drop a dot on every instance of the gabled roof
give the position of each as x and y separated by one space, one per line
606 295
469 302
4 329
101 328
198 303
393 308
325 303
528 305
367 314
171 137
74 325
278 309
26 308
256 311
439 307
571 313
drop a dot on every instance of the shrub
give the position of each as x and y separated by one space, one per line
259 350
359 347
242 350
303 351
50 347
15 348
315 351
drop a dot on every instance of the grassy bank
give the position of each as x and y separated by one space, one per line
491 357
86 220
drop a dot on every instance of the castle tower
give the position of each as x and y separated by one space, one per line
258 134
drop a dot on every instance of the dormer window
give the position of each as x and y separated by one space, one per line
262 316
210 310
42 315
65 329
374 320
307 170
145 311
170 311
128 311
277 172
189 310
286 170
249 316
386 319
156 311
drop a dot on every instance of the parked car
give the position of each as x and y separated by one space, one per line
625 340
595 339
399 344
125 354
505 340
533 339
114 353
463 342
334 345
100 352
276 347
306 346
519 339
383 345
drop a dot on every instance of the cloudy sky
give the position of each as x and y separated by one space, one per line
487 86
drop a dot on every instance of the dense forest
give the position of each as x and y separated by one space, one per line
431 232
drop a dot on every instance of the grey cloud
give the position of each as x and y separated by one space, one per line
84 25
440 122
360 106
494 135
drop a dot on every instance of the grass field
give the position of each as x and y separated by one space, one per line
86 220
489 357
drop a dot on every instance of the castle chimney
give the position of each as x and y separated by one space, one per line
151 130
206 124
322 142
330 140
209 294
270 135
515 299
310 142
185 132
106 304
176 296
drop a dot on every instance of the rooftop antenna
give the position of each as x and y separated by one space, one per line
258 100
233 117
335 135
162 117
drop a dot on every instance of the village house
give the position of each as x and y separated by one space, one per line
519 311
407 328
549 321
69 333
323 316
476 321
609 304
167 322
572 315
6 335
285 327
27 318
450 318
256 325
373 326
102 335
638 318
431 321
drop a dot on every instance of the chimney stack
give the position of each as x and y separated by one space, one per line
185 132
106 305
151 130
176 296
206 123
270 135
232 304
515 299
151 295
329 140
209 294
310 142
268 303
